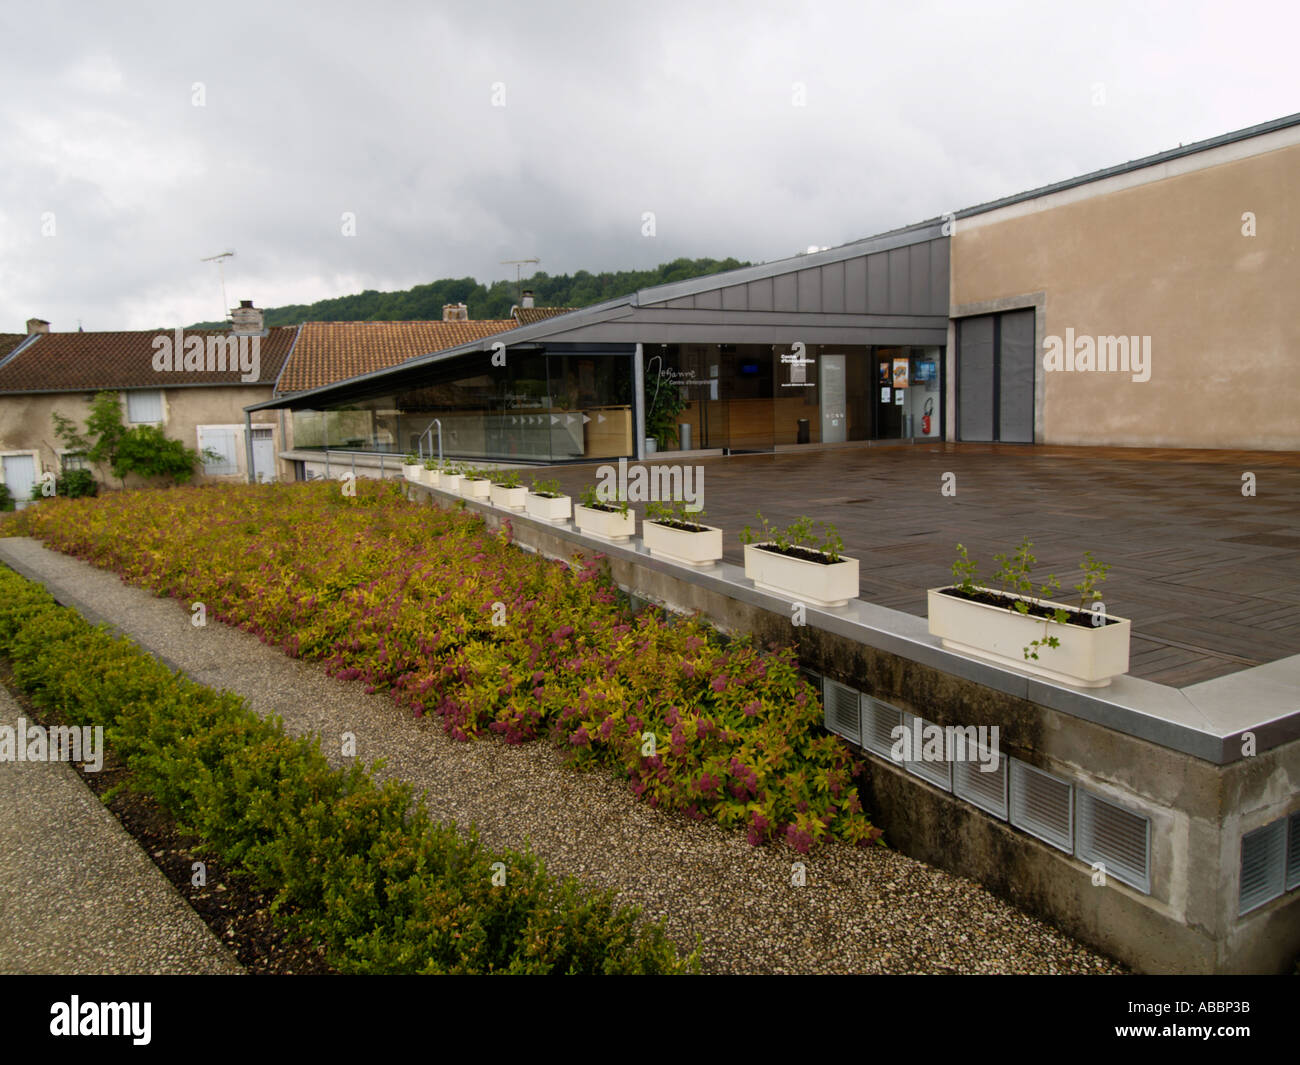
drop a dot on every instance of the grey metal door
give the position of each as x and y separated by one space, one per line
975 378
995 377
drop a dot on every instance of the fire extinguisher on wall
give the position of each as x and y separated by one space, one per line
926 412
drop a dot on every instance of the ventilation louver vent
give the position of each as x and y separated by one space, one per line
1293 854
841 704
1042 805
988 791
1116 837
815 679
878 723
1263 865
937 772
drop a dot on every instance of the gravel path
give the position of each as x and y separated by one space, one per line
77 894
872 911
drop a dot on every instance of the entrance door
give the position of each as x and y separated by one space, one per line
263 456
20 476
995 377
835 413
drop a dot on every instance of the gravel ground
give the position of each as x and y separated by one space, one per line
860 911
77 894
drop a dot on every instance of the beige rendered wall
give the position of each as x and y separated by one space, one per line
26 423
1165 259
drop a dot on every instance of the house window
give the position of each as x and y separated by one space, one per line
225 441
74 460
143 407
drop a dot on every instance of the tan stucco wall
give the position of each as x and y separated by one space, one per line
1166 259
26 423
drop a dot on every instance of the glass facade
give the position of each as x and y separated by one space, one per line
570 403
541 406
756 396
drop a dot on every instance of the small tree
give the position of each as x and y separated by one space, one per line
142 449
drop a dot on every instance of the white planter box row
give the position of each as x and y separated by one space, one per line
1088 656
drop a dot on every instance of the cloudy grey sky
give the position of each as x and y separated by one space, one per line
693 111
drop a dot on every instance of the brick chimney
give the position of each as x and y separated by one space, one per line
37 325
527 300
455 312
245 320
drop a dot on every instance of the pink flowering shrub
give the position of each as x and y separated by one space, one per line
405 599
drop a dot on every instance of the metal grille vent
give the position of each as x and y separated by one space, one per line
1293 854
1042 804
841 714
1263 865
1116 837
988 791
937 773
878 723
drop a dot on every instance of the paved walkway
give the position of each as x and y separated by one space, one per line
865 911
1210 578
77 894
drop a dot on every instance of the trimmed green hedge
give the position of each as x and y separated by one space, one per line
354 865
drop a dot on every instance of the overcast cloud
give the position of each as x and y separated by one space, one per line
688 110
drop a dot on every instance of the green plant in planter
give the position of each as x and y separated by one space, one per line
661 412
801 533
430 464
506 479
411 459
549 488
964 572
673 512
1016 589
592 500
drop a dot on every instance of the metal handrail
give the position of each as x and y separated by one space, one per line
428 433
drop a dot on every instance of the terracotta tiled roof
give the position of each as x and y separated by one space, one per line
529 315
334 351
76 362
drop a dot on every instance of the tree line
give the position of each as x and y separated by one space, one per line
425 302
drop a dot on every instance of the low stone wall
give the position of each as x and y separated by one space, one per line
1198 809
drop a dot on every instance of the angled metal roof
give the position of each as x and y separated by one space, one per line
625 306
1137 164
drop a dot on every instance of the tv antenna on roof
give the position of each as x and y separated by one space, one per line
220 260
517 264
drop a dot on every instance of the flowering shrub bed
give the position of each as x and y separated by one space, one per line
452 619
370 878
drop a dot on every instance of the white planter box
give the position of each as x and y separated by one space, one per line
449 482
412 472
429 477
818 583
1087 657
605 524
688 548
555 509
509 498
475 489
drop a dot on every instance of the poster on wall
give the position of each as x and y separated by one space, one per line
899 397
900 372
884 372
884 394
